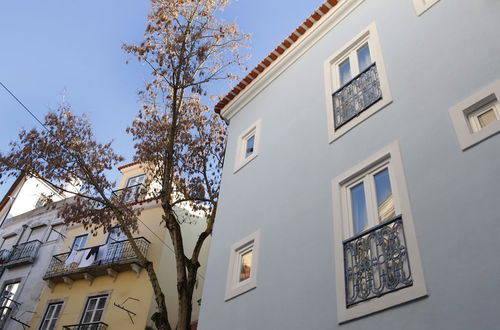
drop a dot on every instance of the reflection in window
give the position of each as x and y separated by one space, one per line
385 202
364 58
345 72
246 266
359 216
487 118
249 146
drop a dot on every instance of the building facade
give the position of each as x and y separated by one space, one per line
360 187
30 233
96 282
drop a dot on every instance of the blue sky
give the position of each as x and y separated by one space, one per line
55 50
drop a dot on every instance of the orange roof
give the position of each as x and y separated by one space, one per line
276 53
127 165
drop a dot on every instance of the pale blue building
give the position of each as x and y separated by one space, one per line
361 187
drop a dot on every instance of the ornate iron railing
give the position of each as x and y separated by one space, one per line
120 252
23 253
356 96
86 326
130 194
376 262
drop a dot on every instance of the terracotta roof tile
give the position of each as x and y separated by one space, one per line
275 54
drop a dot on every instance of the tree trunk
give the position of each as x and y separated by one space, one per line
160 318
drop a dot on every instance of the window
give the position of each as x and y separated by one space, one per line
243 261
477 118
79 242
376 254
133 189
422 5
94 309
248 146
7 301
484 116
55 232
115 235
356 83
51 316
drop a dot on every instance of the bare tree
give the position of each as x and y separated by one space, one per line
175 134
178 139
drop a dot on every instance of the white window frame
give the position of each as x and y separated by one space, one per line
241 158
332 79
422 5
49 304
390 157
233 286
461 114
96 295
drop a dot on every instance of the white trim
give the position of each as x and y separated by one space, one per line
422 5
369 35
292 54
241 159
460 113
233 286
392 156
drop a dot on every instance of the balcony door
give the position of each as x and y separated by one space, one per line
117 241
7 302
133 188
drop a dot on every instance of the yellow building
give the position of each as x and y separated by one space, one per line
113 292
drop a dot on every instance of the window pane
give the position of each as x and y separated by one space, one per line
385 202
487 118
359 216
345 72
364 58
246 265
249 147
102 302
88 317
97 316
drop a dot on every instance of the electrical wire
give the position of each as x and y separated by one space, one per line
45 127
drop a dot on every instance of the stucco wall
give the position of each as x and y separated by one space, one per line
433 62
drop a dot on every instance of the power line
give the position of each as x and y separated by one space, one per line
25 107
45 127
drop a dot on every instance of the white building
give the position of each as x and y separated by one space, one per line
29 235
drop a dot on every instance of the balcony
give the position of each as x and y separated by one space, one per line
86 326
376 262
130 194
356 96
21 254
119 257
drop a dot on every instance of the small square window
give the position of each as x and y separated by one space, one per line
484 116
243 262
478 117
248 146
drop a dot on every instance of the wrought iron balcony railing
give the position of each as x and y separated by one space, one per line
376 262
119 256
23 253
131 194
86 326
356 96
